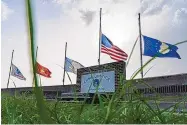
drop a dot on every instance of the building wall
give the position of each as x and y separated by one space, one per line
179 79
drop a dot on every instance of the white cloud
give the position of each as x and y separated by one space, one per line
180 16
5 11
109 7
150 7
87 16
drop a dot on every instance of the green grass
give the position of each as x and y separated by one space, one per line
23 110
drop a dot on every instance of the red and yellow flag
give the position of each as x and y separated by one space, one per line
43 70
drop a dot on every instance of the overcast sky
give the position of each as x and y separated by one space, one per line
77 23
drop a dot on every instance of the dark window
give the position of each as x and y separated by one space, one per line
166 89
159 90
162 88
181 88
156 89
172 89
185 88
169 89
178 88
145 90
175 88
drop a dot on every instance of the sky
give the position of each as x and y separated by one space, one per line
77 23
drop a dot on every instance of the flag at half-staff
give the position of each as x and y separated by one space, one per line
41 70
157 48
72 66
113 51
17 73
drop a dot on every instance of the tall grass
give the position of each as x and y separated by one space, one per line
24 109
38 92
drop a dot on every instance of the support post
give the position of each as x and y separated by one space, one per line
10 68
64 63
100 33
35 64
140 34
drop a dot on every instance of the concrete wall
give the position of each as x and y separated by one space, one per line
179 79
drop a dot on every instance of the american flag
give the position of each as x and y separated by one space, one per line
113 51
17 73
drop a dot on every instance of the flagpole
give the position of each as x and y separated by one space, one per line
64 63
66 73
140 34
100 37
10 67
35 63
13 83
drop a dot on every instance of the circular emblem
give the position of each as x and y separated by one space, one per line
164 48
96 82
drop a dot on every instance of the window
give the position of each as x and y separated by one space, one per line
167 87
178 88
172 89
185 86
175 88
156 89
159 90
162 89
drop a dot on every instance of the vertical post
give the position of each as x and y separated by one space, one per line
140 34
64 63
35 63
10 67
15 87
100 36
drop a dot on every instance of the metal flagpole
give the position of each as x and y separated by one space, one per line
66 73
35 64
64 63
14 86
100 37
36 61
140 34
13 83
10 67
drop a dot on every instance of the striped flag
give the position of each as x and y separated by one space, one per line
113 51
17 73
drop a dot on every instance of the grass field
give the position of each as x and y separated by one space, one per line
22 110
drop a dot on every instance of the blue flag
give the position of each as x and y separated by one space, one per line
154 47
72 66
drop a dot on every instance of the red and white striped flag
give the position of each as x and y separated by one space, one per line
113 51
